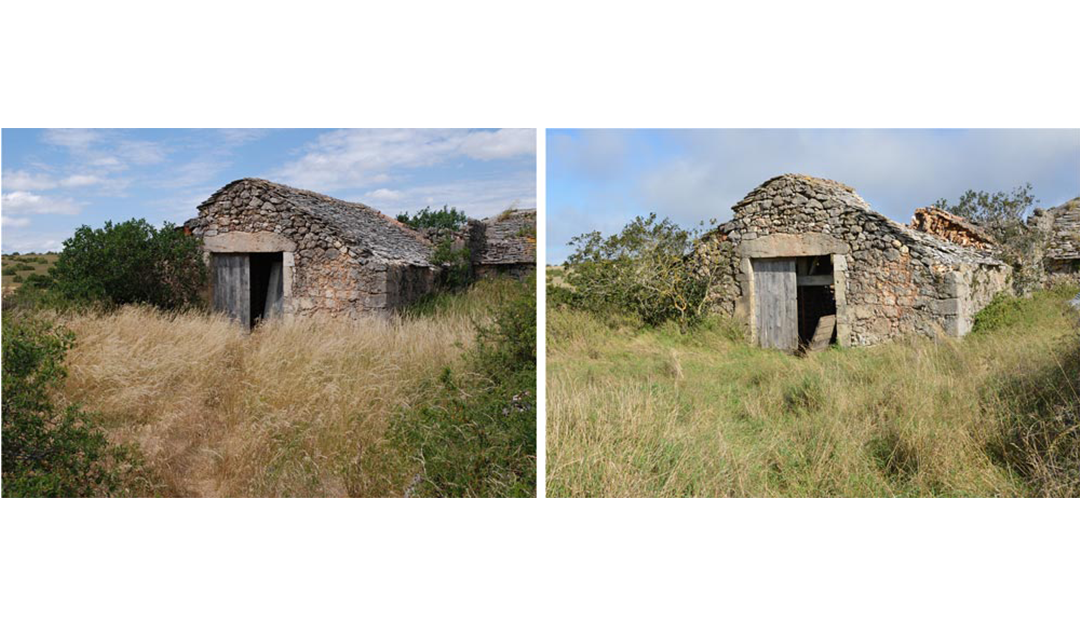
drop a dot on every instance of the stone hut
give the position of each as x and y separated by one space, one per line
805 262
507 244
1061 227
279 251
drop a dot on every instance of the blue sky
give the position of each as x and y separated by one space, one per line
600 179
55 180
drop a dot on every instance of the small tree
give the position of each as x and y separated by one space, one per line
643 270
1003 215
131 263
1001 212
448 218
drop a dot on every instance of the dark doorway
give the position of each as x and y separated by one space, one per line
266 286
248 287
817 302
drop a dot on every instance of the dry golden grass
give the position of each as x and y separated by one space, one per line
657 413
289 410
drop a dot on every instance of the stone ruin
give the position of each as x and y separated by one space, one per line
945 225
806 262
508 244
504 245
276 251
1061 228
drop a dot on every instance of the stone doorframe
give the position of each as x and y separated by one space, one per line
254 243
794 246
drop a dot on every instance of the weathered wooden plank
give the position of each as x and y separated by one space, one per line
776 301
232 286
275 295
815 280
823 333
243 289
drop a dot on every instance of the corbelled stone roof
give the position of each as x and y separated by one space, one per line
820 198
510 238
358 225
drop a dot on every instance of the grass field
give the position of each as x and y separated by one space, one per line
654 412
17 268
293 409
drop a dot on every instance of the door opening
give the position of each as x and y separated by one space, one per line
266 286
248 287
816 296
795 302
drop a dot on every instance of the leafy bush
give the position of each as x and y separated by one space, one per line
508 343
23 267
456 263
49 451
448 218
10 270
642 271
131 263
478 436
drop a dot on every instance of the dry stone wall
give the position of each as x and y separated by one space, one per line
945 225
331 272
896 280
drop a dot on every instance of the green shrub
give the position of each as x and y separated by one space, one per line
23 267
447 217
51 451
131 263
10 270
477 437
642 271
1006 311
456 264
508 343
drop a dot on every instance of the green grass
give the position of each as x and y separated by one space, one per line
637 412
476 436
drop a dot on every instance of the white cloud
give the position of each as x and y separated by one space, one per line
75 139
197 172
141 152
385 195
81 180
26 203
896 171
477 199
504 143
14 222
20 180
105 149
345 159
24 242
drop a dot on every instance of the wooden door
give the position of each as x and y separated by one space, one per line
232 286
776 304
